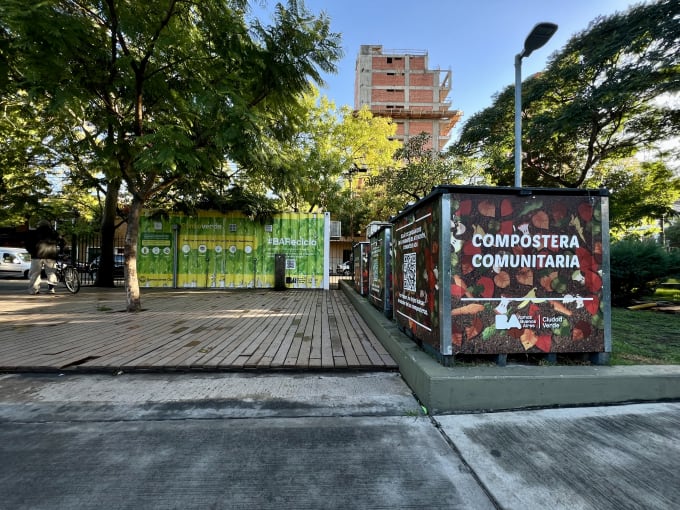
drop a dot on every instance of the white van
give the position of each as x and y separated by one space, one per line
14 260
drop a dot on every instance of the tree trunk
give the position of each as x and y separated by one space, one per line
108 232
134 303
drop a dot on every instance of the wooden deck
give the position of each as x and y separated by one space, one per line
186 330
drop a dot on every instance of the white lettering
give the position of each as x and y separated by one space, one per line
551 241
287 241
501 260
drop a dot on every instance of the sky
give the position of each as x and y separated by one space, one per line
476 39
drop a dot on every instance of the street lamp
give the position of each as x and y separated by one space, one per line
538 36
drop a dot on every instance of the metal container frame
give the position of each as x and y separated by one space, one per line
425 310
380 269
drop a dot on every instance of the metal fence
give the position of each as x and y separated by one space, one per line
84 252
335 280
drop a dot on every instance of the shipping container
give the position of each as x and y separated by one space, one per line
380 270
360 260
498 271
230 250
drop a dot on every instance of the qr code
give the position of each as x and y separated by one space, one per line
410 271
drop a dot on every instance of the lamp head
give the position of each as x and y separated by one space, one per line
538 36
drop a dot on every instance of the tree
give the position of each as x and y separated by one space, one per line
311 171
23 178
316 166
163 91
417 169
362 146
673 236
641 195
605 95
638 267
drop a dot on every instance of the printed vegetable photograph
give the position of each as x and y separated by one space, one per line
526 274
415 248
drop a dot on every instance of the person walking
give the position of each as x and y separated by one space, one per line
43 245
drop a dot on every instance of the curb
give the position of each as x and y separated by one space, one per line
477 389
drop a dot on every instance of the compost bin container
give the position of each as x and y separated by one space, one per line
493 270
360 256
380 270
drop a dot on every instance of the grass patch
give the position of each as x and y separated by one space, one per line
645 337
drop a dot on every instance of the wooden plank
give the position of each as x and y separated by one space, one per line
321 313
338 331
282 339
343 343
365 357
314 311
326 348
233 343
192 342
268 337
294 350
245 346
190 329
288 337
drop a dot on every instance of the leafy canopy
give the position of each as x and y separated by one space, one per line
641 195
605 95
161 92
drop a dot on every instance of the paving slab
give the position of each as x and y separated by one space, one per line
616 457
158 441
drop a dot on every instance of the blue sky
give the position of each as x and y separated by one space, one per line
476 39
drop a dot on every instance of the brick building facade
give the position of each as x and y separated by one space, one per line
399 84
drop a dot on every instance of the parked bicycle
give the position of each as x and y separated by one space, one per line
67 274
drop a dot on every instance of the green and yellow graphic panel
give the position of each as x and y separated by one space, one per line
230 250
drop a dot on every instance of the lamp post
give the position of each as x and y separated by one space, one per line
538 36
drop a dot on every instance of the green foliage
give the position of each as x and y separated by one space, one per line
416 169
641 194
638 267
157 93
255 205
164 91
329 143
24 181
604 96
673 235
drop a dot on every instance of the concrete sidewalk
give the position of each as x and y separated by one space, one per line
309 441
341 439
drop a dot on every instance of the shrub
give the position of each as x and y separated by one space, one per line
637 268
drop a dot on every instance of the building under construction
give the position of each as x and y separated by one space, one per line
398 84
